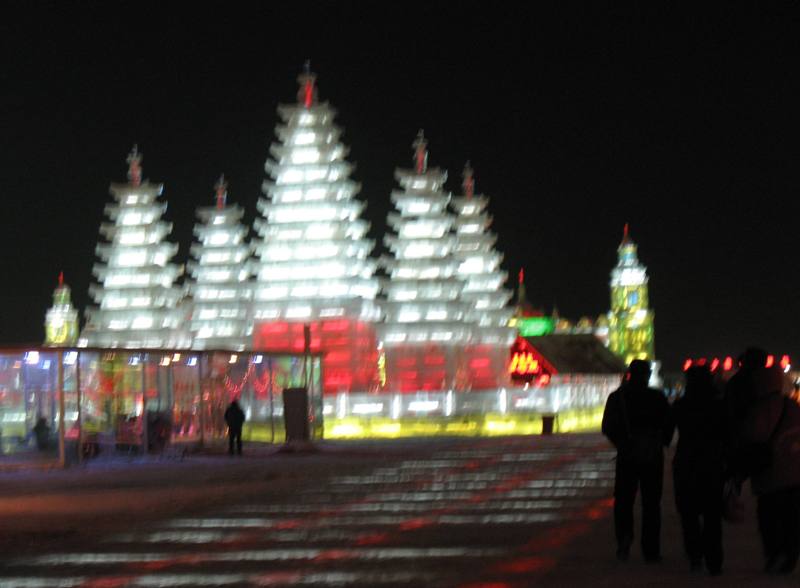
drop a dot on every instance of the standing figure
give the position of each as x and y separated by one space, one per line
234 418
41 432
638 422
698 468
740 395
773 424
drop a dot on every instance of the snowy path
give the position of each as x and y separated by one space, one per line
446 518
468 513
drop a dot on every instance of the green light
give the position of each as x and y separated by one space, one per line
535 326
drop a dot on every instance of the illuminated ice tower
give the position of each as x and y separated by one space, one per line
313 261
630 321
425 328
479 268
61 321
219 287
137 297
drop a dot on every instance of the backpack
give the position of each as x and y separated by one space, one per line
641 447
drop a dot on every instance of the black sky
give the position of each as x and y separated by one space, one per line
682 123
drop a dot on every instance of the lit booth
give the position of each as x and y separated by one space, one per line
69 403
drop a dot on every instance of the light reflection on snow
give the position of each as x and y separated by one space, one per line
261 555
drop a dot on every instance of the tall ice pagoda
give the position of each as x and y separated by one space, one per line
630 321
425 328
314 275
136 295
479 269
219 286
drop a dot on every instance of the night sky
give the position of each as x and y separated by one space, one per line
683 124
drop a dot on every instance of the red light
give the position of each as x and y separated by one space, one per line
308 94
770 361
727 364
543 380
687 364
702 361
714 364
785 362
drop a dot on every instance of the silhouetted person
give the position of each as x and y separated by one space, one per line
699 468
637 421
41 431
739 396
234 418
773 423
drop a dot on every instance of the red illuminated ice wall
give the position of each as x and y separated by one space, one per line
350 360
412 368
486 367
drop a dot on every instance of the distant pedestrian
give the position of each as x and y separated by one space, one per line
772 425
234 418
699 468
637 420
41 431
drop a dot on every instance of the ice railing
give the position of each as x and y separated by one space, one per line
563 393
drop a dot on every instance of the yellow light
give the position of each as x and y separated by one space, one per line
347 430
500 426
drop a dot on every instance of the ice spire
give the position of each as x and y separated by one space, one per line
222 191
420 146
135 166
307 94
469 181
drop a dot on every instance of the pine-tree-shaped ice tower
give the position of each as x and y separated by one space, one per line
220 286
137 298
313 265
487 353
425 330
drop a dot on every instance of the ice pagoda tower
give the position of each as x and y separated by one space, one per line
479 268
136 295
630 321
313 266
219 286
425 329
61 321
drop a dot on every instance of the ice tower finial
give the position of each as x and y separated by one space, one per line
625 234
307 95
135 166
60 279
222 191
420 146
469 182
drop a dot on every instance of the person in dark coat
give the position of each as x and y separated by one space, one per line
699 468
637 420
41 432
234 418
740 394
773 422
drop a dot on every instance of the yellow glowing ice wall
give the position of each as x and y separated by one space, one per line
61 321
631 334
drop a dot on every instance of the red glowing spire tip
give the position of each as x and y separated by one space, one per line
222 191
135 166
420 146
60 279
469 181
307 95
